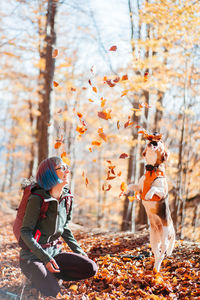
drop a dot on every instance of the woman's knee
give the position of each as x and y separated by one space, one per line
94 268
90 268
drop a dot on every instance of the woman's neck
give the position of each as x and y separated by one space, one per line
56 191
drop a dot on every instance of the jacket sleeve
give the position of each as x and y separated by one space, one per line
71 241
29 223
68 235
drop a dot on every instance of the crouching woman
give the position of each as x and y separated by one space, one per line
41 259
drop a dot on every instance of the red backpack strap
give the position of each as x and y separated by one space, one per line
44 206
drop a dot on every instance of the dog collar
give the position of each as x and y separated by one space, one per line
151 167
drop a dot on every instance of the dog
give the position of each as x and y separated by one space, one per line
153 189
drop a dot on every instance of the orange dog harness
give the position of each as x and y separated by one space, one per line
150 177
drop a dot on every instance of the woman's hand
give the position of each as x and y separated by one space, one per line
52 266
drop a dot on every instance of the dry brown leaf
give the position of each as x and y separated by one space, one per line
55 84
113 48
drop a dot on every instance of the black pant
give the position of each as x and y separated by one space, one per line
72 267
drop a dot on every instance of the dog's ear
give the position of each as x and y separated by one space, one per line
144 153
165 155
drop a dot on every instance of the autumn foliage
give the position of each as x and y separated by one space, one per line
125 268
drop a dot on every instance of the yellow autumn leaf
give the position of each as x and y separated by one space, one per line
73 287
65 159
94 89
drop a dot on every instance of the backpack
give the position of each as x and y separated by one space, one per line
28 190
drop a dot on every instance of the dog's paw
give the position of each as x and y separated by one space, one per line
149 195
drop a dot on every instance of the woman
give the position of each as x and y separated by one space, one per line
41 260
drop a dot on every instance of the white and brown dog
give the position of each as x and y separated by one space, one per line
153 189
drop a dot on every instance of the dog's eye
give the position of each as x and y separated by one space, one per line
154 143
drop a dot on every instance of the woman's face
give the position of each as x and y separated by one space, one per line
63 172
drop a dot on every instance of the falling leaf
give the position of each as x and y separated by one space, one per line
110 177
81 129
102 134
117 79
92 69
83 122
109 82
144 105
118 124
90 100
94 89
123 187
65 159
128 123
57 145
135 109
96 143
105 78
55 84
79 115
84 88
73 89
146 74
105 114
106 188
55 53
111 169
103 102
90 149
142 132
119 174
113 48
89 82
109 161
123 155
86 181
125 77
124 93
100 130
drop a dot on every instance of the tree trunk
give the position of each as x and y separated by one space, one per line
32 145
127 211
46 80
178 197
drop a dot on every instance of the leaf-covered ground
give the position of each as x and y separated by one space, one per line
125 267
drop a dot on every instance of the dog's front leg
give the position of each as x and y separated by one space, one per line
136 187
158 188
133 188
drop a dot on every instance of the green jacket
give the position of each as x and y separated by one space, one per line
54 225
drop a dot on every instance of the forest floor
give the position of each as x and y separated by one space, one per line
125 267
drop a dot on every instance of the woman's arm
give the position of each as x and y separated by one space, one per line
71 241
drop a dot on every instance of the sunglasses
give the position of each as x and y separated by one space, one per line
63 168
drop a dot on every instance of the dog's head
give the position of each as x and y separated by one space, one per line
155 152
